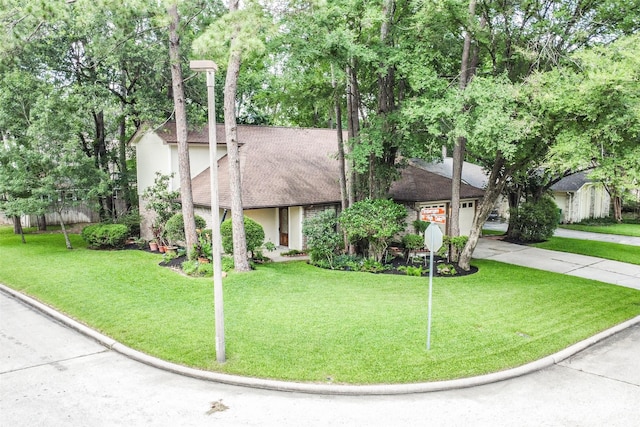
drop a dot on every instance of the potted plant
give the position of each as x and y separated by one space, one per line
153 245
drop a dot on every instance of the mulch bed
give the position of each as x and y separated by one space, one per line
398 262
395 266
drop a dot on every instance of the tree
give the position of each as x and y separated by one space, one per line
596 111
242 29
186 195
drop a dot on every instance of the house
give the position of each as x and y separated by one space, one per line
288 174
420 188
580 198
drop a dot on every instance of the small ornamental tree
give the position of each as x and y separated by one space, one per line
375 222
323 239
254 233
162 202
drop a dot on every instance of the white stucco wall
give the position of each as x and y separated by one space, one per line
152 155
268 219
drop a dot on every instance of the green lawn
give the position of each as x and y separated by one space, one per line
606 250
292 321
624 229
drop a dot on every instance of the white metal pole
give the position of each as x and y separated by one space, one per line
430 289
216 238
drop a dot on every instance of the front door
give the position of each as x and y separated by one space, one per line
284 226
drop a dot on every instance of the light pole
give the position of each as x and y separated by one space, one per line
210 68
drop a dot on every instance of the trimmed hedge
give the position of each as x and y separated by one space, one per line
100 236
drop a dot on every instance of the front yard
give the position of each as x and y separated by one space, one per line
292 321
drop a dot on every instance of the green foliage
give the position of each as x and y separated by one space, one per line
457 242
323 240
370 265
100 236
420 226
411 270
534 221
253 231
162 202
412 241
446 269
174 228
132 220
374 222
204 248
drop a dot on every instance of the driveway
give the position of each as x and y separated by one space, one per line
614 272
53 376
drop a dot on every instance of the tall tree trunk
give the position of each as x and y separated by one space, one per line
184 168
230 89
17 227
379 180
101 161
42 223
459 148
353 103
342 178
122 152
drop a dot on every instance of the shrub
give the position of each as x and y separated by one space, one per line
534 221
174 228
412 242
105 235
374 221
446 269
253 231
411 270
323 241
372 266
457 242
132 220
420 226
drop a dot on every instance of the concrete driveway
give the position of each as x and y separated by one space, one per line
53 376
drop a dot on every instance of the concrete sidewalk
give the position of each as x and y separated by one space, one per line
614 272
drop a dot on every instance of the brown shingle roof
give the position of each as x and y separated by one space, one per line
419 185
199 135
298 167
279 167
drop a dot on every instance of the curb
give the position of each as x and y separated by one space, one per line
311 388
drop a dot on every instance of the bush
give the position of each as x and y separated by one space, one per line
174 228
534 221
457 242
105 235
132 220
374 221
323 241
412 241
253 231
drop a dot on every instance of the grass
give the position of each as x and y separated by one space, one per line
292 321
628 228
606 250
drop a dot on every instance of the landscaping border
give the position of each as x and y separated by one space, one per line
317 388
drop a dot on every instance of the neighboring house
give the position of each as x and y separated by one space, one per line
580 198
288 174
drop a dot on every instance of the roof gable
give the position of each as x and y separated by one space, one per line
279 167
